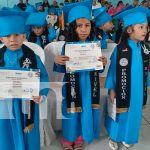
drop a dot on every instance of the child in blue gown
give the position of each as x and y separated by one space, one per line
127 79
79 126
17 131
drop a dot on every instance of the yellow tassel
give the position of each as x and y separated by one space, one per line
29 128
62 21
121 110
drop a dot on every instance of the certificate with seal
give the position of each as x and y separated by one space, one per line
19 83
83 56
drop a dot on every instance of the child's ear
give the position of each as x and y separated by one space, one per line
1 39
129 30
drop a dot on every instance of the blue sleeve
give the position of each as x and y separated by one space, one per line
110 82
104 44
52 34
44 79
60 68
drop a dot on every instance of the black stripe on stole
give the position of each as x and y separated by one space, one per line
123 78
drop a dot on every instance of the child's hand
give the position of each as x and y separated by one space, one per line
110 41
112 95
103 59
61 59
37 99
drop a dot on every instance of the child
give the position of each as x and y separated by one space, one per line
126 79
39 7
46 5
20 132
40 34
104 25
77 125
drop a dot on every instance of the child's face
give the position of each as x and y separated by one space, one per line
40 8
83 28
13 41
107 26
138 33
38 30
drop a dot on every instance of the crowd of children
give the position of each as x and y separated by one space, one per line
76 23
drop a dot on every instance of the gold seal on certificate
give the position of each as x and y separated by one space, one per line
83 56
19 83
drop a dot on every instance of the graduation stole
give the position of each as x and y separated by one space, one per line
73 94
123 72
28 60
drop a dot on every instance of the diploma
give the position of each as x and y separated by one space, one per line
83 56
19 83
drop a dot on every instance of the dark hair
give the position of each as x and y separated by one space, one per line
120 2
32 36
72 35
46 4
124 37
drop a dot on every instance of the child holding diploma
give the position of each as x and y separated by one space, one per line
80 106
19 131
127 79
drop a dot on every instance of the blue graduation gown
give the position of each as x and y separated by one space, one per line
12 135
86 123
127 125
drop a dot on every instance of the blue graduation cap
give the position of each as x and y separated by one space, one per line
8 24
77 10
30 9
38 4
134 16
37 19
101 16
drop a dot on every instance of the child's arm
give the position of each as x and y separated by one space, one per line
112 95
110 83
103 59
111 74
61 59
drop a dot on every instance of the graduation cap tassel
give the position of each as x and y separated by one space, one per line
62 21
